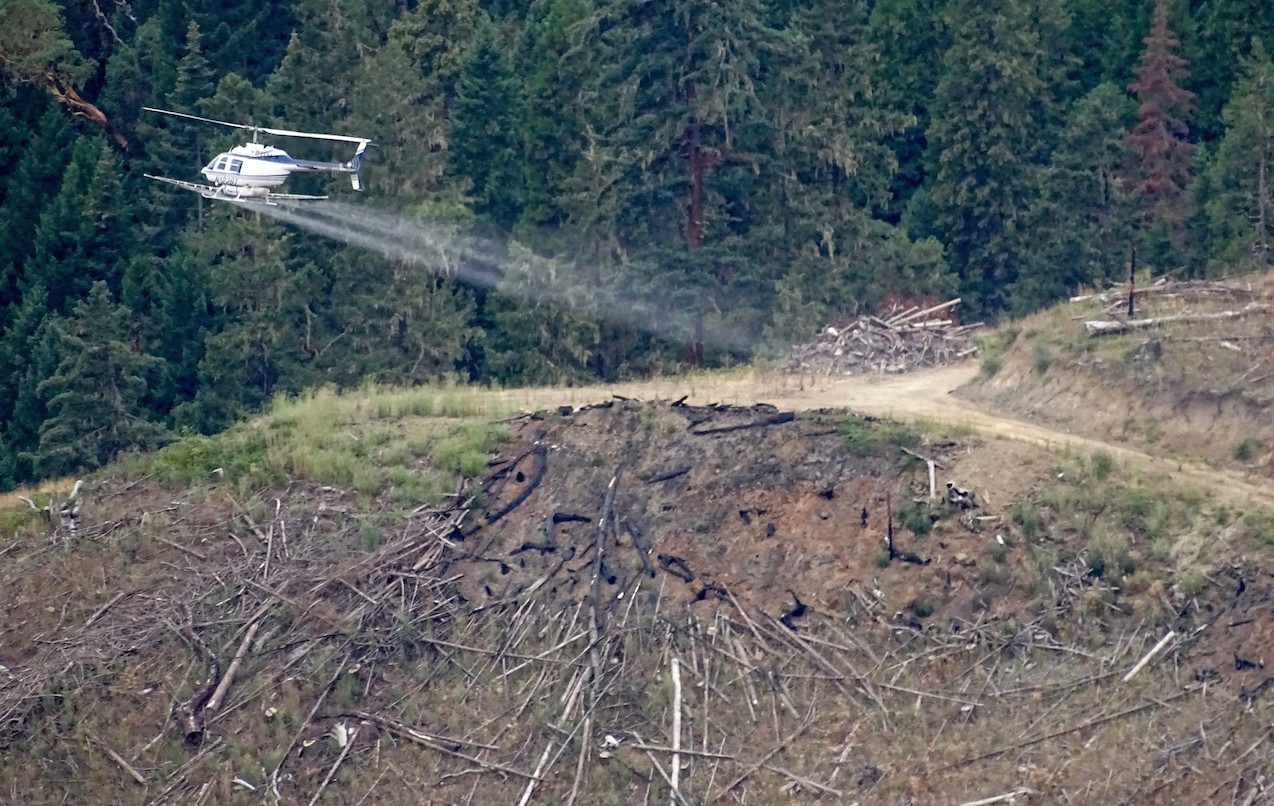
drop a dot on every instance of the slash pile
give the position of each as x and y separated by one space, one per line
900 341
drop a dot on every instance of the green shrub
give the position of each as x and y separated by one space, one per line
1103 464
921 606
990 364
916 519
1027 517
1247 450
864 438
1192 584
1041 358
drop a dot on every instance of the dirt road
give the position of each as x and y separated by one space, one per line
920 396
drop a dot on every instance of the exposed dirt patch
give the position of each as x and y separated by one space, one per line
767 514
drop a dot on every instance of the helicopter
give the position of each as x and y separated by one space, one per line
248 173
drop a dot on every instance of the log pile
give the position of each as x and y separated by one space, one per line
899 341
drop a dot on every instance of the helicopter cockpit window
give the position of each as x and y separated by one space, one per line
235 165
221 164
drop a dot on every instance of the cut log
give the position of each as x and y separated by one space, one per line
1111 327
921 314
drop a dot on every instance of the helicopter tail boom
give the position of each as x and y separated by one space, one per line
350 167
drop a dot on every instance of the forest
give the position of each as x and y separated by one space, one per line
606 188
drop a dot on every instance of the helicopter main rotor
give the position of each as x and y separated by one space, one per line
257 130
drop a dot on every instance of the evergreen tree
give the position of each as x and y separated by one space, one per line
262 298
910 36
1082 219
141 72
1165 158
1105 36
675 94
34 182
404 94
1224 34
1241 174
34 48
81 234
26 359
831 166
302 92
61 263
677 112
392 322
194 74
552 127
984 123
95 396
485 146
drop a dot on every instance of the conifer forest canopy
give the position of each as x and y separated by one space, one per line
588 189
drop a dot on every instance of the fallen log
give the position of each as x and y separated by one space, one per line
773 419
924 313
1110 327
541 455
190 713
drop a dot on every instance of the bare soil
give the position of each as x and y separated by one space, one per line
950 396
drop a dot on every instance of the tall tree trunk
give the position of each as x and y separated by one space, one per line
693 351
1262 195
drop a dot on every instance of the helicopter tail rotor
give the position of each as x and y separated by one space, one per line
354 163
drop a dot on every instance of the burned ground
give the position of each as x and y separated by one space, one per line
709 501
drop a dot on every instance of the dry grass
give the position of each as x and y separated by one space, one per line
39 494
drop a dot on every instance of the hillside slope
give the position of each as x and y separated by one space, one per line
516 634
1198 384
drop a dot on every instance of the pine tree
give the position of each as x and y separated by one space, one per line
910 36
485 146
676 114
674 99
1223 37
1106 36
81 236
1082 220
26 359
404 93
1165 158
1241 173
392 322
194 74
983 126
831 167
552 127
95 397
260 294
34 182
141 73
62 264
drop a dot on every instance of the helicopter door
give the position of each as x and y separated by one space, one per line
236 166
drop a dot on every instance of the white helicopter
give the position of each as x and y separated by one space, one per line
247 173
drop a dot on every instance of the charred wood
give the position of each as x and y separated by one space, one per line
677 567
774 419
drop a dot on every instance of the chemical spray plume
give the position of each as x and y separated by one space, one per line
446 251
